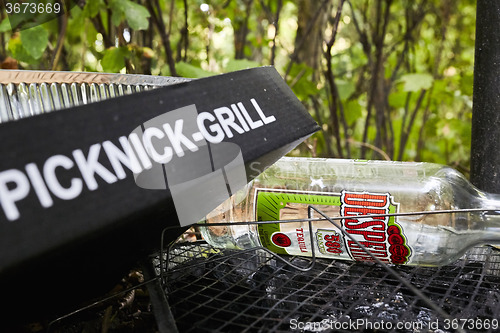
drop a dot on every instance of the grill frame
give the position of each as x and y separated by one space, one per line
198 282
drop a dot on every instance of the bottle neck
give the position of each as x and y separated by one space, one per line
489 218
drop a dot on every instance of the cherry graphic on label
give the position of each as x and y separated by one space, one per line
393 230
281 240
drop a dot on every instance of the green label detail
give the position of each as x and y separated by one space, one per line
269 205
381 235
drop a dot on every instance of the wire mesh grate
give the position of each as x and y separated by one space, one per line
245 291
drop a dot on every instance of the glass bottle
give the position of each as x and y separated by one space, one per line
352 187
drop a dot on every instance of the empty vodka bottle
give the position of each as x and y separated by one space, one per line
348 188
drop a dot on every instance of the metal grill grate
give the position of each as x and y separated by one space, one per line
246 291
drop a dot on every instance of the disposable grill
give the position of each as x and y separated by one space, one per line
213 290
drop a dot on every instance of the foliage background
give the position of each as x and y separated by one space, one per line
385 79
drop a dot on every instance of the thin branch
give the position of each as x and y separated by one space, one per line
2 38
122 42
420 141
363 36
372 147
63 21
316 107
185 31
333 87
240 36
406 134
170 15
275 23
155 11
403 121
147 41
97 21
376 90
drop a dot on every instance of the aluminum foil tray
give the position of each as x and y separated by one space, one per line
28 93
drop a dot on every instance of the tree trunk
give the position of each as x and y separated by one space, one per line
312 19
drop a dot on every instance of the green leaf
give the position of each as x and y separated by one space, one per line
416 81
93 7
466 83
117 11
136 15
300 80
239 64
114 59
352 111
15 46
116 17
186 70
34 41
345 89
398 99
5 25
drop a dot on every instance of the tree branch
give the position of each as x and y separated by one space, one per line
333 87
155 11
326 137
406 134
63 24
298 46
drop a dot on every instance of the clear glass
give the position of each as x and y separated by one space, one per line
432 240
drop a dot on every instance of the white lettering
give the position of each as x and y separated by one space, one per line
38 185
90 166
253 124
141 152
157 157
227 122
49 173
215 128
240 117
176 138
136 153
8 197
265 119
118 158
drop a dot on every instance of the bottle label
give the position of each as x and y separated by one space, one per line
383 236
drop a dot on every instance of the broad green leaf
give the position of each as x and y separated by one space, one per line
345 89
300 80
239 64
441 94
114 59
352 111
136 15
416 81
5 25
15 46
93 7
116 17
398 99
186 70
117 11
35 41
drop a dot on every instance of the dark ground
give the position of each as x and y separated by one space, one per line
116 311
128 312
